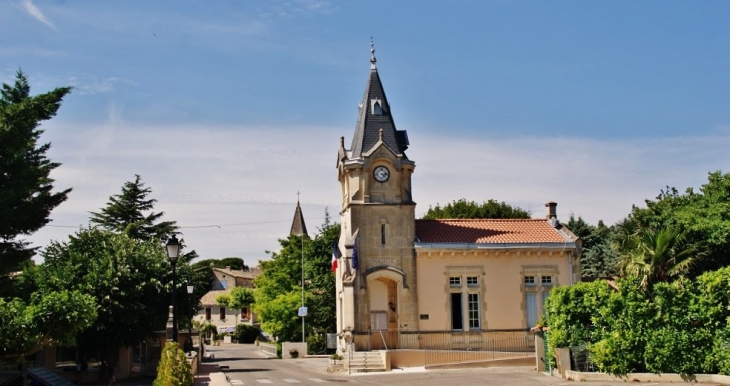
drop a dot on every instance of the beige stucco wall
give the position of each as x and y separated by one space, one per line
232 317
501 283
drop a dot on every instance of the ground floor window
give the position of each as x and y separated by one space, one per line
474 314
537 290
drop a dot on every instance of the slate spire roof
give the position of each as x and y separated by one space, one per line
298 227
375 115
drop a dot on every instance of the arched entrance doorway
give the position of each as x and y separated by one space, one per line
384 298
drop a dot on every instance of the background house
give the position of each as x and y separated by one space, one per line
225 319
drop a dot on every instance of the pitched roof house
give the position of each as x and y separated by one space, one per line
222 317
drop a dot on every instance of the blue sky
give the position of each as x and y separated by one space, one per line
227 109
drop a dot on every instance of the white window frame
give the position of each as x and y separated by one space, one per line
474 322
472 281
467 281
454 281
539 281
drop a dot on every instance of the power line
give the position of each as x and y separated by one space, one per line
204 226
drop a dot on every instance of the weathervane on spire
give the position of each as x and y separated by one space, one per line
372 53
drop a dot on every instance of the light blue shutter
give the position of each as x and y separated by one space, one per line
531 307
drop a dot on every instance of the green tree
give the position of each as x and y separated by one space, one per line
26 189
131 213
47 319
320 286
278 293
278 290
173 369
471 209
658 255
129 280
237 298
599 258
233 262
702 213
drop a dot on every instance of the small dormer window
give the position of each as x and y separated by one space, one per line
376 107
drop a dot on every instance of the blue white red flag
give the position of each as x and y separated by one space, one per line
336 254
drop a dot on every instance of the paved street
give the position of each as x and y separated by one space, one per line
249 367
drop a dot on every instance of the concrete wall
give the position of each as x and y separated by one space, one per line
288 346
407 358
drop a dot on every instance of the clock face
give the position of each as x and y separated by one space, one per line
381 174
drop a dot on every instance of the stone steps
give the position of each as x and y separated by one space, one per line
366 362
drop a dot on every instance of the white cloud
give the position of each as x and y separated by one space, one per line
233 189
32 10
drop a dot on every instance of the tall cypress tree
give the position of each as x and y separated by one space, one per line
124 213
26 196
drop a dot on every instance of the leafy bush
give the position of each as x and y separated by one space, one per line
246 334
173 369
720 355
316 344
680 327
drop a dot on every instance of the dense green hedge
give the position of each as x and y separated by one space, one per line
681 327
246 334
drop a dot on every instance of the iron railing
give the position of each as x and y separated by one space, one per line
451 346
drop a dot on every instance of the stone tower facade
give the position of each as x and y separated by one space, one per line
376 275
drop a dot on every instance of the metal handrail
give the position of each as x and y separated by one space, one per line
383 339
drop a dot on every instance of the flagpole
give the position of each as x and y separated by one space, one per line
302 277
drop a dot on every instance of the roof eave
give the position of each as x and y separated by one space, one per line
494 246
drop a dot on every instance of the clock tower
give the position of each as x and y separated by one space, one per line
376 275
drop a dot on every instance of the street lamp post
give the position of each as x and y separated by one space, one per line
191 287
173 252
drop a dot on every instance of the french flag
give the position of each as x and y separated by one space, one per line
336 254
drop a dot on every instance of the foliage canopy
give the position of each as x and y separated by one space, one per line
278 293
52 318
125 213
26 189
471 209
127 278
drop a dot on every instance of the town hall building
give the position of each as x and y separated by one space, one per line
398 277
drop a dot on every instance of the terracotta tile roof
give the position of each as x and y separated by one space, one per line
209 298
488 231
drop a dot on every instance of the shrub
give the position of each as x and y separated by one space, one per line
316 344
679 327
246 334
173 369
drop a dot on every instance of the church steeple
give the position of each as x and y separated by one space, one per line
374 116
298 227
